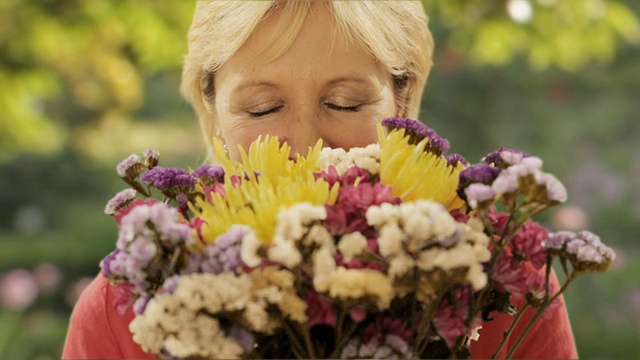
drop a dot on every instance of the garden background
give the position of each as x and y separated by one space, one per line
83 84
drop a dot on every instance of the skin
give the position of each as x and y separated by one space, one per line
320 88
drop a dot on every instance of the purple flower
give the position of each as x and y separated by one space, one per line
417 131
438 145
557 240
412 127
455 159
160 220
151 158
167 178
105 264
243 337
220 256
209 174
479 173
141 303
585 248
120 201
130 168
505 157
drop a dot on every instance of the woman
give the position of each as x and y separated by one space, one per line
301 71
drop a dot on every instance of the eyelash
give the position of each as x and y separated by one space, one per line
329 105
343 108
266 112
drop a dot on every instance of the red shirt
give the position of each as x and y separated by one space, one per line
98 331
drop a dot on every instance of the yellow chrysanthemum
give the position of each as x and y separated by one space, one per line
256 200
415 174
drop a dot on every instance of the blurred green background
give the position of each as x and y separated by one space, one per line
86 83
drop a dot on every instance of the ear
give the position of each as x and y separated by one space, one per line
218 134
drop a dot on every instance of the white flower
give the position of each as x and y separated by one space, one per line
284 252
352 245
356 284
390 240
323 261
293 222
378 215
330 157
400 265
249 249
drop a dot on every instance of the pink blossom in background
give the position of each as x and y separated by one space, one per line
48 276
72 293
570 218
18 289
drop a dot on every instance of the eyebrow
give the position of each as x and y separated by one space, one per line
341 79
253 83
355 79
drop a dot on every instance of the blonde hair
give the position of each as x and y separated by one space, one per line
394 32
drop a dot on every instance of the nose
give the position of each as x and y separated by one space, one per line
304 128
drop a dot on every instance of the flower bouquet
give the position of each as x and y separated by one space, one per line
394 250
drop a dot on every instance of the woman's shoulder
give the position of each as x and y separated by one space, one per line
551 337
97 329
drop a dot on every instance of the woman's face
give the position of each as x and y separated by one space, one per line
320 88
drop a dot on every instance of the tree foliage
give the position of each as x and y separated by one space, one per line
94 56
564 33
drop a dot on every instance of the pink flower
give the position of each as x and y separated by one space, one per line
320 310
357 263
348 214
511 275
196 223
18 289
124 296
385 325
527 243
449 319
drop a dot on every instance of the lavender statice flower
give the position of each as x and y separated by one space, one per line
222 255
105 264
391 347
120 201
507 180
475 183
209 174
505 157
554 188
151 158
478 193
130 168
171 181
149 236
584 249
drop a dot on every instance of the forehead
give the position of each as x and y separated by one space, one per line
313 48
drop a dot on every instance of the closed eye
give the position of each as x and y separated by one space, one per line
342 108
265 112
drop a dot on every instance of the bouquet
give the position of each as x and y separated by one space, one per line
394 250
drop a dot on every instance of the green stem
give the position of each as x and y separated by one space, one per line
421 344
298 347
539 313
508 333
